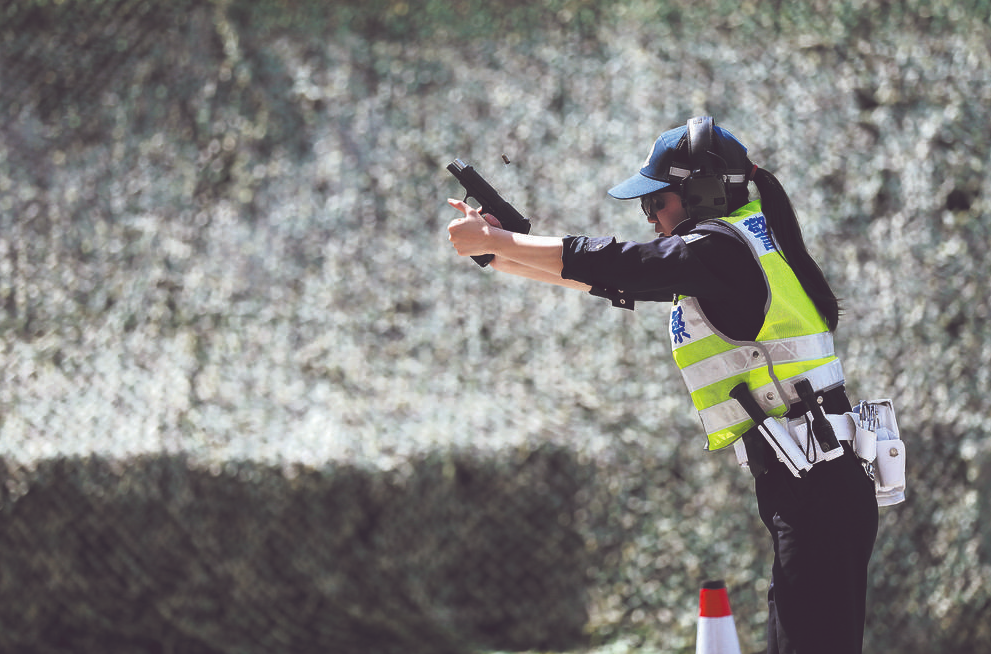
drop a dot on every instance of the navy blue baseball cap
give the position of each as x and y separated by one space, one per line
668 165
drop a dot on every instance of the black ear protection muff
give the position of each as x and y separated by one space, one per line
703 192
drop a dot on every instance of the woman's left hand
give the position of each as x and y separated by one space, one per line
472 235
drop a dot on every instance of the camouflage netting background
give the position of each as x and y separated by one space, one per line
251 400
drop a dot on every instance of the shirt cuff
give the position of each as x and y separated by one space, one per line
576 265
619 299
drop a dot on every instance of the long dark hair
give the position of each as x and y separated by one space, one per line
783 222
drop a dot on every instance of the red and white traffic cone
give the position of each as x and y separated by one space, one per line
717 631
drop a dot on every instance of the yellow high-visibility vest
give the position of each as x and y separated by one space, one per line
793 344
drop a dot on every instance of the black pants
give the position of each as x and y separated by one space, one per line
823 529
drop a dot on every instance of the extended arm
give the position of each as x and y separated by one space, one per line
520 270
534 257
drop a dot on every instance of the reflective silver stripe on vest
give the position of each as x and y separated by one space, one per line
726 414
756 355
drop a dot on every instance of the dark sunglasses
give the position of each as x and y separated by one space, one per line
653 202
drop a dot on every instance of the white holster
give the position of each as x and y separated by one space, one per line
873 433
877 417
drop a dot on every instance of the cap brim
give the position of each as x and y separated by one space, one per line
637 186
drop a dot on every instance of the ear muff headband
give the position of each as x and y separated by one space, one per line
704 190
699 139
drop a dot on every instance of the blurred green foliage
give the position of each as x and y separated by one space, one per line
472 19
222 250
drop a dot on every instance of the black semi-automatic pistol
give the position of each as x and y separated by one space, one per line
491 202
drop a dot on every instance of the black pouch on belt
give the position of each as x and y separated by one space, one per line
821 429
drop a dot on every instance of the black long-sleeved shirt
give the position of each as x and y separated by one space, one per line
707 261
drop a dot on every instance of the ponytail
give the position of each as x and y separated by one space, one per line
783 223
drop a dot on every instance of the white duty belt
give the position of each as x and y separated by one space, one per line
846 426
882 451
